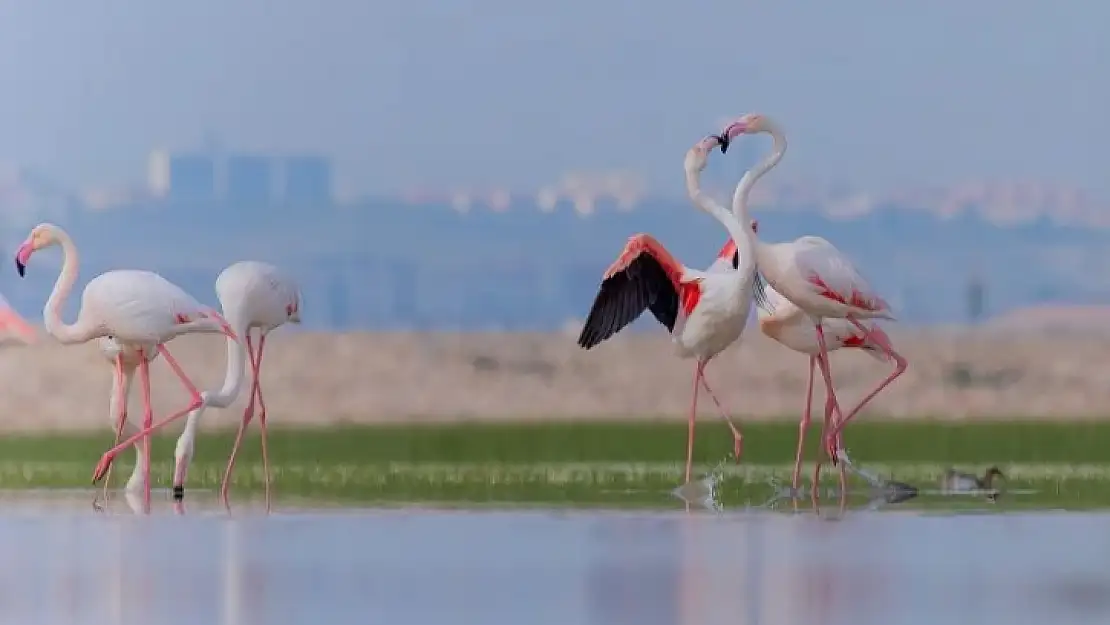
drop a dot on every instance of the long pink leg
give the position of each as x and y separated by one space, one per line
802 427
151 427
823 362
737 437
148 420
248 414
121 418
900 365
693 416
262 417
826 426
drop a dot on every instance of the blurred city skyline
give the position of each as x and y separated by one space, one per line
491 94
477 165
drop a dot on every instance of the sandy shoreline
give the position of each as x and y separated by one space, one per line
318 378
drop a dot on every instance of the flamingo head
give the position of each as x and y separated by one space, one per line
750 124
42 235
698 156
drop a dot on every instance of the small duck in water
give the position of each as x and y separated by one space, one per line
957 482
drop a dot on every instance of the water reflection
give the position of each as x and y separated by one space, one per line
506 568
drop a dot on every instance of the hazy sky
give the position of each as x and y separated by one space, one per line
872 92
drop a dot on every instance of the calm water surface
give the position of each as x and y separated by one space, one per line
65 564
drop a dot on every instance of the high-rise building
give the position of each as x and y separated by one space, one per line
308 180
250 179
186 177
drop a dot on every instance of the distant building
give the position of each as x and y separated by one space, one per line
307 180
186 177
250 179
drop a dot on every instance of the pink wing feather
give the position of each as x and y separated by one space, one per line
832 275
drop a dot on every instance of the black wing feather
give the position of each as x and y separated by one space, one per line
625 295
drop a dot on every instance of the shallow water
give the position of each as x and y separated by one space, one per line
66 563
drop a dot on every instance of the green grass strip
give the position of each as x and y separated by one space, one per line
765 443
611 484
629 463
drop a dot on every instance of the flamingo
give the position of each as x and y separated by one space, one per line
820 281
252 295
704 312
782 321
140 309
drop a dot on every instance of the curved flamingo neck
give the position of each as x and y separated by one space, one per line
52 312
220 398
747 182
741 235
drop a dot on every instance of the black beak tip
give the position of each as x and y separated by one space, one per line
20 268
178 493
724 143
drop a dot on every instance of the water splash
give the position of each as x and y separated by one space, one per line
705 492
880 492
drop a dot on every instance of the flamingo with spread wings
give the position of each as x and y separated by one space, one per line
704 312
820 281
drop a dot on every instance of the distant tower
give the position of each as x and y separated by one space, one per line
976 298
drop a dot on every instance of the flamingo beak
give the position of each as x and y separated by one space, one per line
724 141
22 256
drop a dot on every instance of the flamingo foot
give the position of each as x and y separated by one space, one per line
737 447
102 467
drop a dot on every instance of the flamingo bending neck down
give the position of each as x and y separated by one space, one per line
140 309
704 312
253 295
821 282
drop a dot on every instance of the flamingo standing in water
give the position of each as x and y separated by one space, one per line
704 312
820 281
140 309
253 295
781 320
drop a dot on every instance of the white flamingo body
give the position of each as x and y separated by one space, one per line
817 278
138 308
258 295
719 318
254 296
782 320
786 323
